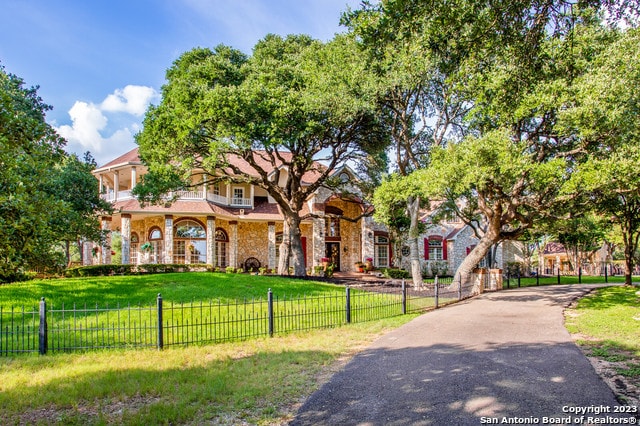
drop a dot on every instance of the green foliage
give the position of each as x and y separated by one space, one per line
396 274
29 150
294 102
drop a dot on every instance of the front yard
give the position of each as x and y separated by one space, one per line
606 325
259 381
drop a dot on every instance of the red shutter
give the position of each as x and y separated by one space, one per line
468 250
444 249
303 240
426 249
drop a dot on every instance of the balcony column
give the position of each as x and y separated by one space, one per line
168 239
133 177
228 194
116 184
233 240
125 229
106 247
205 187
251 192
271 248
101 185
211 241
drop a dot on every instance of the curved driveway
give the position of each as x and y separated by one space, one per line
500 357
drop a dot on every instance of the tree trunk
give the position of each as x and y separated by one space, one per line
299 269
491 237
413 207
67 251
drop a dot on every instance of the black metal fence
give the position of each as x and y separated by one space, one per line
46 329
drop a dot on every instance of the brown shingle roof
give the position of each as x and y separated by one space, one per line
133 157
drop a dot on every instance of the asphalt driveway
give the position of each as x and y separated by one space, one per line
497 358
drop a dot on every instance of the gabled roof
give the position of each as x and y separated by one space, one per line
261 158
130 157
554 248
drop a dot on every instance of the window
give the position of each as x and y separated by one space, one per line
155 238
238 195
381 251
133 249
221 248
189 243
331 226
435 249
215 188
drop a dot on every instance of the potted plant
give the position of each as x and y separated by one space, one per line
368 264
325 262
359 267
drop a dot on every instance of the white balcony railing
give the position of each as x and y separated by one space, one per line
241 202
217 198
189 195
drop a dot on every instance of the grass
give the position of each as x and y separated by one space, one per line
143 289
607 323
255 382
564 279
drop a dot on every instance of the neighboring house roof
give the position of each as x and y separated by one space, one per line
554 248
133 158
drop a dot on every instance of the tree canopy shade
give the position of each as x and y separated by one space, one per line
73 183
296 108
605 119
510 66
29 150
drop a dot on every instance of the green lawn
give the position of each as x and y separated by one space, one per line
607 325
143 289
257 381
564 279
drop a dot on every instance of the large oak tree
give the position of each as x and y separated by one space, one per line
291 113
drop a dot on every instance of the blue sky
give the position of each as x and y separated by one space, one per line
99 63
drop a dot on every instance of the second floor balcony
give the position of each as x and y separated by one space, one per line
232 200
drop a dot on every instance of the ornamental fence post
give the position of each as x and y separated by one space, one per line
270 311
160 344
404 297
437 291
348 305
43 343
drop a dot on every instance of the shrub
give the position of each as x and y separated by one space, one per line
230 270
396 274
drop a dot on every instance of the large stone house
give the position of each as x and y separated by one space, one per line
232 224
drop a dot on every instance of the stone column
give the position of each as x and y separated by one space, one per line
211 240
106 247
125 229
233 242
318 240
87 255
168 239
368 243
271 247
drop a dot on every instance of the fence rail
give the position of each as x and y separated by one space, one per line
46 329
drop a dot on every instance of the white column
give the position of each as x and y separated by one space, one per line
116 184
228 194
318 240
168 239
205 187
211 240
101 185
251 192
368 246
125 229
133 177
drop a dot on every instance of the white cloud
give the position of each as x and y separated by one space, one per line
132 99
91 130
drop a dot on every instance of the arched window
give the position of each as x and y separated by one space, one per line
189 242
382 251
221 247
156 241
